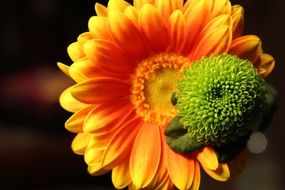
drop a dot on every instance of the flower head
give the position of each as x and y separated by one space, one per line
126 68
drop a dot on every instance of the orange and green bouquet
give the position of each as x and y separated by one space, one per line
164 89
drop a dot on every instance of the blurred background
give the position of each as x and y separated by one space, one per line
34 145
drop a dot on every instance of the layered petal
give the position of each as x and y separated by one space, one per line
214 42
107 117
101 10
220 7
208 158
182 177
108 57
197 177
118 5
139 3
145 155
266 64
75 52
121 175
151 24
75 122
196 17
69 103
97 90
238 20
246 47
222 173
98 25
177 29
121 144
125 33
80 143
167 7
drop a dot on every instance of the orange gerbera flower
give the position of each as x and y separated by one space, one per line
126 68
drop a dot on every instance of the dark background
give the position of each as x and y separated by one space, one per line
34 146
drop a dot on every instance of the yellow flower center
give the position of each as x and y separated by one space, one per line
153 84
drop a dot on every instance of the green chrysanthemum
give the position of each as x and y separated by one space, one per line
220 98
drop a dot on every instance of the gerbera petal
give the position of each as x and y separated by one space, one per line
166 7
96 170
84 37
222 173
64 68
125 33
266 65
75 122
152 24
246 47
220 7
208 158
238 20
180 168
99 27
117 5
107 117
177 31
80 143
121 175
197 177
101 10
121 143
75 52
139 3
215 42
97 90
82 70
144 160
108 56
132 14
69 103
196 16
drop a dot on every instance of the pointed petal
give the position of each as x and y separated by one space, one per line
196 17
99 27
220 7
208 158
182 177
84 37
266 65
107 56
145 155
121 144
222 173
68 102
177 31
119 5
139 3
107 117
97 90
75 52
238 20
125 33
166 7
215 42
96 170
121 175
80 143
153 28
246 47
75 122
197 177
101 10
64 68
132 14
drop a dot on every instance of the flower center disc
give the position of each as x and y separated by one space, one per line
154 82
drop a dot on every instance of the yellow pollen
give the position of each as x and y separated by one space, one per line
153 84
